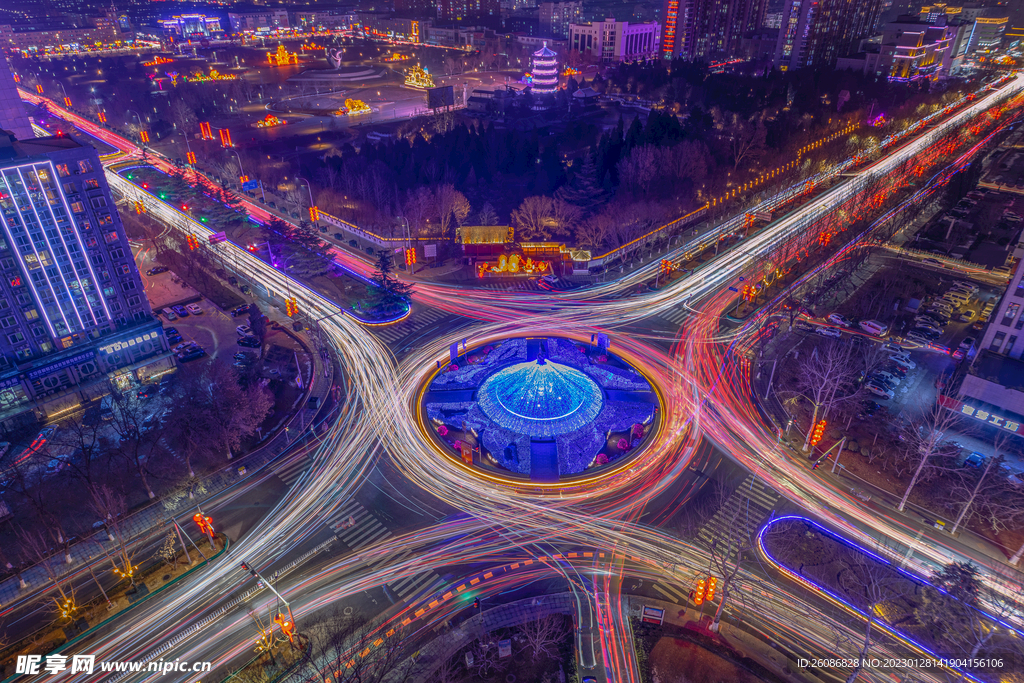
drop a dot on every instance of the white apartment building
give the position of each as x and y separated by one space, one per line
616 41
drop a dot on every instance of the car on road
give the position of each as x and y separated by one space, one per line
194 309
879 390
247 356
978 325
56 465
251 342
180 310
157 270
240 310
244 331
975 459
828 332
146 391
837 319
967 344
932 261
191 354
806 327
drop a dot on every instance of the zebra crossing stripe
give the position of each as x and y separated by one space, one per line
670 593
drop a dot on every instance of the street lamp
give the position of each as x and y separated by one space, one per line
309 188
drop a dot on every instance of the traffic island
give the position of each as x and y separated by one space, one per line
173 565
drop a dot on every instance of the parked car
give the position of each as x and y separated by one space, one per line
966 316
878 390
251 342
183 346
801 325
191 354
194 309
975 459
929 329
892 347
928 321
878 381
903 361
887 376
978 326
240 310
828 332
180 310
157 270
918 337
932 262
840 320
174 338
895 369
56 465
244 331
169 314
967 344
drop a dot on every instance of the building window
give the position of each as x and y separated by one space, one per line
117 253
7 263
85 166
106 220
1009 344
25 353
127 285
92 243
15 338
134 300
69 188
31 314
1009 314
77 207
115 306
124 269
108 292
62 170
110 237
997 341
97 259
46 347
38 331
98 202
1019 293
92 184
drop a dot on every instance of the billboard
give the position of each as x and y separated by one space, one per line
443 96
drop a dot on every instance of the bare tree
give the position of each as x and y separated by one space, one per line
925 437
451 207
345 649
533 219
727 551
826 377
111 507
136 444
543 636
35 544
967 486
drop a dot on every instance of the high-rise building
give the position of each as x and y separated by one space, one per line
72 307
555 17
818 32
485 11
699 29
421 9
12 109
616 41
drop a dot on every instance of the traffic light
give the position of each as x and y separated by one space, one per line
291 307
191 157
314 214
712 582
102 117
698 595
67 102
144 136
476 604
819 431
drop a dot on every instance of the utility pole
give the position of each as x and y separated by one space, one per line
256 574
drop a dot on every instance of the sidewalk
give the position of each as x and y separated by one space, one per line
151 520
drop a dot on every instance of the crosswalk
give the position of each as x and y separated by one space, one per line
672 593
676 316
356 527
291 472
741 516
418 320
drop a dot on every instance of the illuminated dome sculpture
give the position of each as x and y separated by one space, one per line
540 399
545 71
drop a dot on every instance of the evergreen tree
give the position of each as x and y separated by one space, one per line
387 294
584 190
634 136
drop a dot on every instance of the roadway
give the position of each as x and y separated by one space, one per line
196 620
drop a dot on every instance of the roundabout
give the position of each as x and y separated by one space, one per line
538 411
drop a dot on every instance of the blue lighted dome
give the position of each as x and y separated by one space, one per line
540 399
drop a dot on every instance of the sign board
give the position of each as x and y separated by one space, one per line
453 352
218 237
251 185
443 96
504 648
652 615
430 250
763 216
603 342
980 414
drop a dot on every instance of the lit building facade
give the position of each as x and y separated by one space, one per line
261 21
192 25
555 17
987 34
697 29
616 41
72 307
468 10
819 32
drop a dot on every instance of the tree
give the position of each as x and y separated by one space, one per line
418 205
824 377
337 652
183 116
533 219
565 216
543 636
136 443
584 190
593 232
451 207
37 547
487 215
257 322
387 293
968 481
727 551
924 438
111 507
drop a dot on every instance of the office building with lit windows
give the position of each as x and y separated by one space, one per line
819 32
73 314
